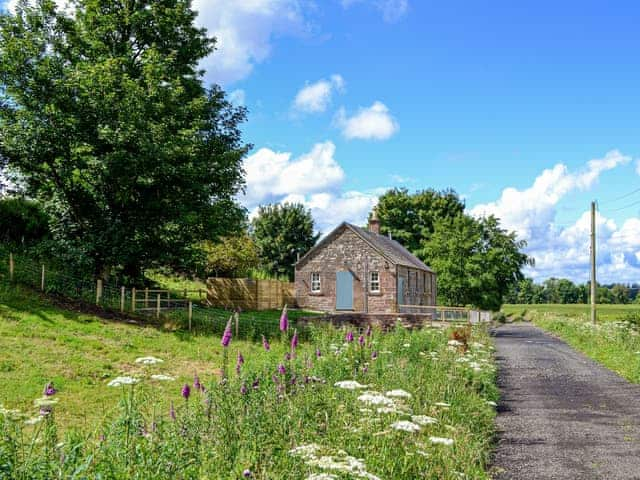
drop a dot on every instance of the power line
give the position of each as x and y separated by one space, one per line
622 196
625 207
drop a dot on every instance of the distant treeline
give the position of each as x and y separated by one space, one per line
561 290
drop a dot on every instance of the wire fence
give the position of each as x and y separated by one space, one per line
159 306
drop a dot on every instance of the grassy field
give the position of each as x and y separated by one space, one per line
580 311
80 353
413 406
614 341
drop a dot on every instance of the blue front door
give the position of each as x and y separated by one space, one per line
344 291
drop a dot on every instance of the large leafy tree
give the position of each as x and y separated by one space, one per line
477 262
233 256
104 114
281 232
410 218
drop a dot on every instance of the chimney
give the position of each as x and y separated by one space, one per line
374 222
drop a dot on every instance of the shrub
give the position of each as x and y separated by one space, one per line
22 221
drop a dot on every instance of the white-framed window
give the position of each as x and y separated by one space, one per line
374 282
315 282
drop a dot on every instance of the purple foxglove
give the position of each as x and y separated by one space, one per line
349 337
240 359
172 412
361 340
226 336
368 333
196 382
294 340
318 353
256 384
284 320
49 390
243 389
374 354
186 391
247 473
281 369
287 356
265 344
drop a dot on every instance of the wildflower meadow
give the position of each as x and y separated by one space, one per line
334 403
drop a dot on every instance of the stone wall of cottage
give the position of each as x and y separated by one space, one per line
346 252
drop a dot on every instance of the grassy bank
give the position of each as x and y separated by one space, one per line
579 311
421 408
614 341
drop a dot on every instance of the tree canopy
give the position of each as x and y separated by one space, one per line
475 259
410 218
104 114
281 232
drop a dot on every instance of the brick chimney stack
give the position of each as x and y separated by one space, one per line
374 222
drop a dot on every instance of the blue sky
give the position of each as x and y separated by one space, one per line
528 109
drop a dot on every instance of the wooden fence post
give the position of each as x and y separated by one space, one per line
98 291
146 297
122 295
11 267
190 314
42 279
133 299
158 306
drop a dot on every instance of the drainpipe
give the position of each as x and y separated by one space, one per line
365 282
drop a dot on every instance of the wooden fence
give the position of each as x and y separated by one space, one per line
249 294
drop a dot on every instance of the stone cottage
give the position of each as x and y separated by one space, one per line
358 270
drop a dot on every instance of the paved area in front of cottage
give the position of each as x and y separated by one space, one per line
562 416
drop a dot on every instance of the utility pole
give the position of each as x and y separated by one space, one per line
593 262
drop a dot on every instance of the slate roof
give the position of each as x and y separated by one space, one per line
384 245
390 248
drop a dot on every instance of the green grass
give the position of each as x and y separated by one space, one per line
126 432
582 311
613 342
80 353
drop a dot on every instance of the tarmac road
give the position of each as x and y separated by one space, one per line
561 416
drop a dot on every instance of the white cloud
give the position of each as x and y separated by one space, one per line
245 30
371 123
391 10
316 97
530 210
331 209
565 251
271 175
313 179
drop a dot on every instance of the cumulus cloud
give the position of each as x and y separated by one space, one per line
371 123
271 175
316 97
530 210
564 251
330 209
313 179
391 10
245 31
